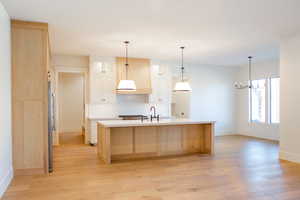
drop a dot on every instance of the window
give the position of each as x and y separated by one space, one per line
274 100
264 100
258 101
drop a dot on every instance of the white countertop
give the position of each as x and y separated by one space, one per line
114 118
103 118
162 122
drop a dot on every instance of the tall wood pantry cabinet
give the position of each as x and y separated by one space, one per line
30 61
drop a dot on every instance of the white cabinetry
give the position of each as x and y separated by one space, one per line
161 80
102 75
92 131
161 83
102 95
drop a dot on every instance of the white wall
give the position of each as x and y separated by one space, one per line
213 96
6 171
71 102
262 130
290 99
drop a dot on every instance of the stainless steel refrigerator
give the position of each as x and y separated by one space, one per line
51 125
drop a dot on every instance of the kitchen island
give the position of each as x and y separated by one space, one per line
132 139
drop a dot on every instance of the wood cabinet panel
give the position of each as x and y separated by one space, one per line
146 139
29 96
33 134
135 142
209 132
193 138
104 144
29 63
121 141
170 139
18 141
138 70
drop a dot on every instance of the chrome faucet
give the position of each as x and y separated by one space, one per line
153 108
154 114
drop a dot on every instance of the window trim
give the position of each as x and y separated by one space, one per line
251 105
268 110
270 101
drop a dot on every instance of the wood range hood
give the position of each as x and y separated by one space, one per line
138 70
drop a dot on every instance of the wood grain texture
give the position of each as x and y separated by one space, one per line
138 70
209 131
103 147
73 138
33 140
29 25
137 91
29 96
242 168
147 141
193 138
170 140
121 140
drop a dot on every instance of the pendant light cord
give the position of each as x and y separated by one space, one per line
182 68
250 70
126 53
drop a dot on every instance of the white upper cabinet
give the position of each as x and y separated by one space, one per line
161 83
102 78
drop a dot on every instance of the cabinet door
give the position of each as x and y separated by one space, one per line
121 141
170 140
102 83
161 84
33 134
146 139
138 70
30 96
193 138
161 92
29 64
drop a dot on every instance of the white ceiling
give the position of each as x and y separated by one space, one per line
218 32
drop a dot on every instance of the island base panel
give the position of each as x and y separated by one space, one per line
154 141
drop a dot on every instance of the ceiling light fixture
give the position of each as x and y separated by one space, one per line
182 85
241 85
125 84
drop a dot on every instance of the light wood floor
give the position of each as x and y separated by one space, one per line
71 138
243 168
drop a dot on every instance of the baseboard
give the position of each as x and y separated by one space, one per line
259 137
223 133
71 132
31 171
4 183
283 155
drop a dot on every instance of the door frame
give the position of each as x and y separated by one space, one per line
62 69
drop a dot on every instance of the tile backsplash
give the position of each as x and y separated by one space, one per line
126 108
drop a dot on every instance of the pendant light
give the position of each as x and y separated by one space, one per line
182 85
240 85
125 84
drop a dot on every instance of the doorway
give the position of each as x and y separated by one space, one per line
71 102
